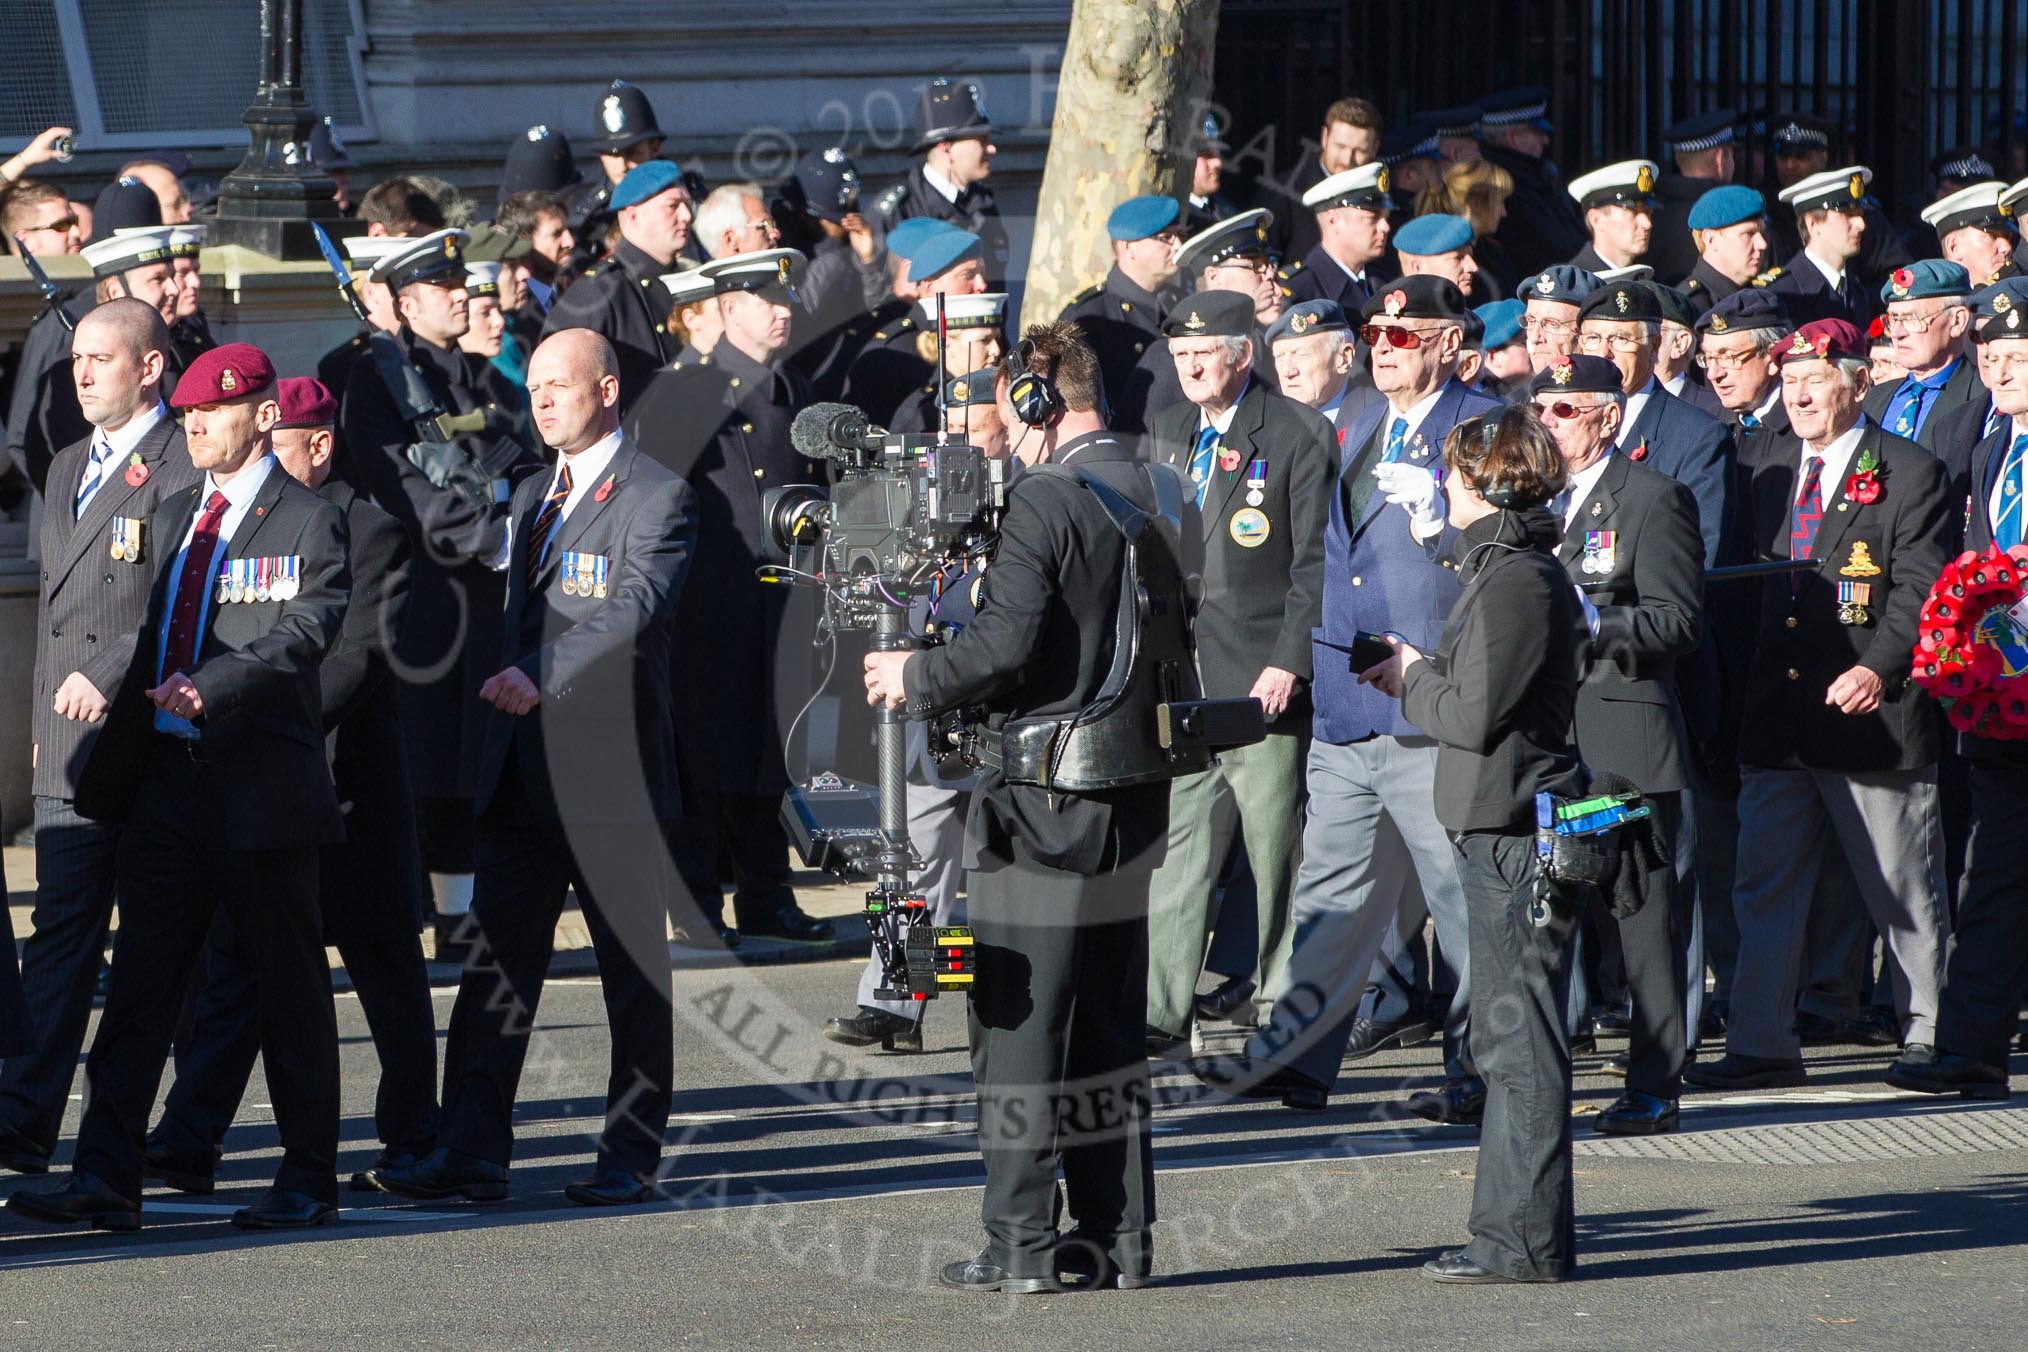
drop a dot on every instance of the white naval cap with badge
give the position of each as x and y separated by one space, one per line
132 247
761 271
1629 183
1363 186
1833 190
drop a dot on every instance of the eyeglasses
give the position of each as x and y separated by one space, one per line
1405 340
1258 265
60 225
1727 361
1912 323
1555 328
1619 342
1564 412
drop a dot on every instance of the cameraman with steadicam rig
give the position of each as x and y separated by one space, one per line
1057 889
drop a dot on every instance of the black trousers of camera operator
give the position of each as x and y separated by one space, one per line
1057 1010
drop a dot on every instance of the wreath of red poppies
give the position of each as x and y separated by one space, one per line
1959 654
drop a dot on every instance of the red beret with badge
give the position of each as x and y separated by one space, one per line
1821 340
223 375
305 403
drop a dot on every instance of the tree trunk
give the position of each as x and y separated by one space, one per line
1131 97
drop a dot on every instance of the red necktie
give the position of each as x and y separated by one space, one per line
188 600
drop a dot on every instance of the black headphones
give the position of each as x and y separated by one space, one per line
1502 495
1033 395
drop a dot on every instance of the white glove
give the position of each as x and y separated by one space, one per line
1413 489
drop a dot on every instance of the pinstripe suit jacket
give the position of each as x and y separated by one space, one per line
91 605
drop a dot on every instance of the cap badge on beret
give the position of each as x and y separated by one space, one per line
2001 304
1396 302
1718 324
1546 284
1901 281
1644 181
1380 180
2013 319
227 381
1857 187
961 390
1299 322
1801 346
1562 371
1620 300
1194 322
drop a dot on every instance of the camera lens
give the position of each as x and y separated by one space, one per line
66 146
792 517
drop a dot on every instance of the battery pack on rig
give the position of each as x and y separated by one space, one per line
917 959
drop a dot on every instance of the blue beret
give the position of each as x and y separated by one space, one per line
941 252
1433 234
1141 217
644 181
1565 282
1927 279
1750 307
1729 205
1502 319
906 235
1312 316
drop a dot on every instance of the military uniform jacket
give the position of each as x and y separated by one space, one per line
1543 222
974 210
1318 276
1121 321
43 415
1041 646
742 654
1377 576
897 361
622 297
262 730
599 748
1951 439
837 288
371 881
456 596
1802 646
89 613
824 359
1807 293
1706 286
1634 551
1263 598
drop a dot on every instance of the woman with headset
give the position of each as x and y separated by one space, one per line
1498 695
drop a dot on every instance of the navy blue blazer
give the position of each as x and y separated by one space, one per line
1696 450
1376 576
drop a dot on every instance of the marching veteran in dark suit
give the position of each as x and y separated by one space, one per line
1988 966
213 759
577 789
1630 544
367 884
98 549
1261 464
1839 749
725 429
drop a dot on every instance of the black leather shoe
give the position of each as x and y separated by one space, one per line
82 1200
1377 1035
1613 1021
1873 1027
1163 1046
1088 1264
20 1154
1948 1073
1454 1266
788 921
977 1274
281 1209
185 1175
1614 1065
1459 1103
1814 1030
386 1159
1737 1070
442 1173
1244 1077
1711 1026
1637 1114
893 1032
611 1187
1232 995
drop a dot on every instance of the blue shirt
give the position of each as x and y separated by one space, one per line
1919 393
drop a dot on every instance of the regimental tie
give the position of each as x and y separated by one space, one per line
2007 522
1750 421
1808 515
94 474
1906 421
546 522
1397 433
192 584
1200 461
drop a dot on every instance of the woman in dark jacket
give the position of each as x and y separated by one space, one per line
1498 696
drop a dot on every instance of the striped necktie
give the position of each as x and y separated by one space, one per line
546 522
94 474
1807 516
2007 532
1200 461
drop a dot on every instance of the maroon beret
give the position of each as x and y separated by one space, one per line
223 375
1820 340
305 403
